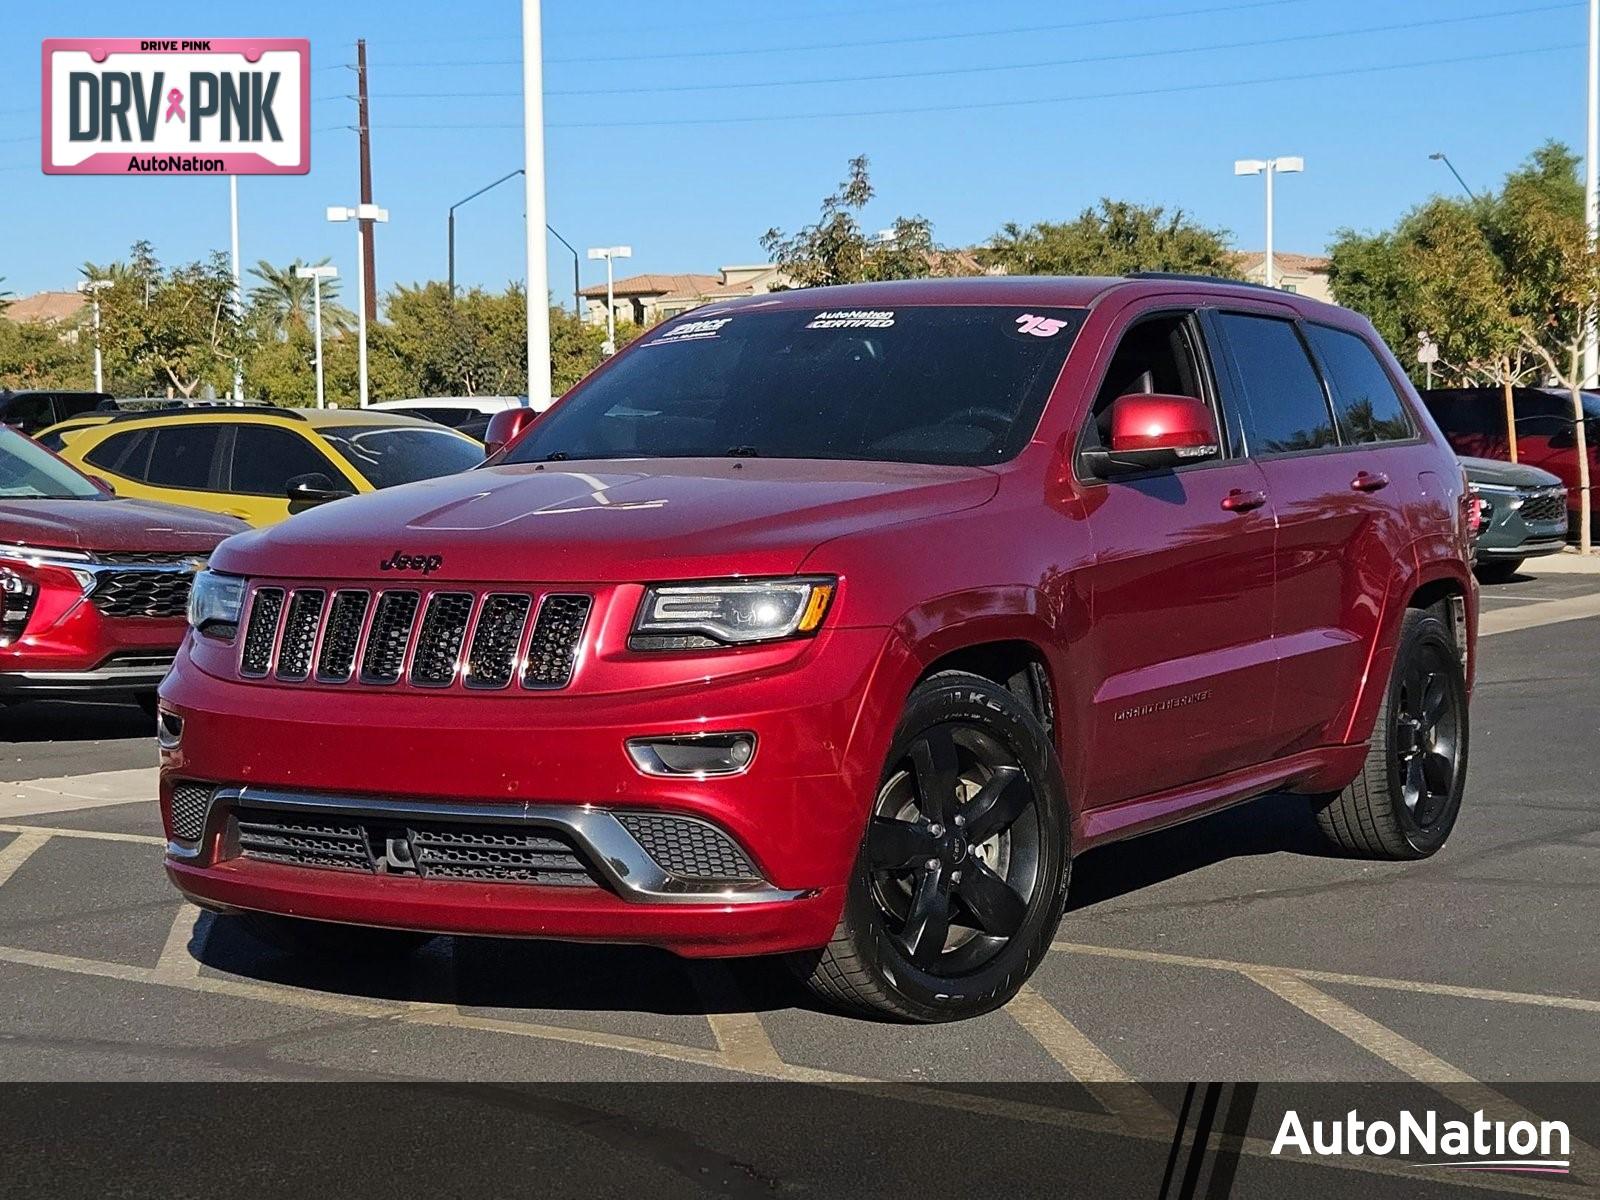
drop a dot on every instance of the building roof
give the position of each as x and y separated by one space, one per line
45 308
1294 264
687 286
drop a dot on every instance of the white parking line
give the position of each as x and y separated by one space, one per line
72 793
176 962
18 851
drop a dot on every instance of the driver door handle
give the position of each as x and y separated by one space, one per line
1370 481
1240 500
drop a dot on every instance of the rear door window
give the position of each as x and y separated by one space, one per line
265 458
1288 408
185 456
1365 401
126 454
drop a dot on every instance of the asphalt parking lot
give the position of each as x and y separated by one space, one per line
1234 948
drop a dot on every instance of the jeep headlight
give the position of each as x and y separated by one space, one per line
696 616
215 602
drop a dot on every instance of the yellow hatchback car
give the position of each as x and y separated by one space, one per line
259 464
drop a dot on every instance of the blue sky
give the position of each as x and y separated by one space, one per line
999 112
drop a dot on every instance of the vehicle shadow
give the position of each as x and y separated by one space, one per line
523 975
1278 824
62 721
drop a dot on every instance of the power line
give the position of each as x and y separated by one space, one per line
1035 64
1097 22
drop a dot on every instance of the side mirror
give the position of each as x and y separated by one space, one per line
314 488
505 427
1154 432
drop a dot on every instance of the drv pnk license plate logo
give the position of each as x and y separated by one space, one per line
170 106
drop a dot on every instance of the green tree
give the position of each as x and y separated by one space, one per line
38 356
1115 238
837 250
284 301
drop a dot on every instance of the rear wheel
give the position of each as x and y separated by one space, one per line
1500 570
1404 803
323 939
962 874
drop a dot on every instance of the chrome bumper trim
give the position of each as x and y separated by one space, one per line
140 675
609 848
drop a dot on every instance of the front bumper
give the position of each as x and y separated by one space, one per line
1521 550
557 761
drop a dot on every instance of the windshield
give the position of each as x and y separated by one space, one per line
28 472
962 385
388 455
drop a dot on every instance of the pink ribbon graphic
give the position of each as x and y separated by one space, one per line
174 106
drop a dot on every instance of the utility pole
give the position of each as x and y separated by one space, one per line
238 299
370 271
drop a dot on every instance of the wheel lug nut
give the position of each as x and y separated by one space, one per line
936 829
932 864
960 820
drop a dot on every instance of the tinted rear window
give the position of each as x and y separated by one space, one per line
1365 401
946 384
1288 408
390 455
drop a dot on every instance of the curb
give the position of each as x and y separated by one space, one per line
1565 563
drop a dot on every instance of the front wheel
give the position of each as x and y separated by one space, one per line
1404 803
962 874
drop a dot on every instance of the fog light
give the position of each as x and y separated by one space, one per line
699 755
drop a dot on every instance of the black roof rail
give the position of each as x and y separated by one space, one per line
1188 277
212 410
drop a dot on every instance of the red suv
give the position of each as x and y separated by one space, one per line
835 623
92 588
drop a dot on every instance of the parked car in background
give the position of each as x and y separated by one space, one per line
1522 513
93 588
31 411
836 624
261 464
1474 420
454 411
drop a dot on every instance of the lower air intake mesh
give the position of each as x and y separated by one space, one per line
687 848
190 803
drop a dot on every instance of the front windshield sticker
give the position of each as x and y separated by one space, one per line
853 318
1039 326
692 331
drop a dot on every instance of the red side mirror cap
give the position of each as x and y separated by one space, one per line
1152 432
505 427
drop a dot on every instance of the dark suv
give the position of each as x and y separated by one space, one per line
835 623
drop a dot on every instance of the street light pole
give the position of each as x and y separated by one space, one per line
1270 167
238 302
317 275
577 289
1439 156
538 297
610 253
452 222
92 288
358 214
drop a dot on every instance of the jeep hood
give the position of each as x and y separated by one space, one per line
606 521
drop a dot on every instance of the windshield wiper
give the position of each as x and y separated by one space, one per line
557 456
742 452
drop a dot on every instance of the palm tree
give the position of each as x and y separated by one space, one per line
5 295
283 300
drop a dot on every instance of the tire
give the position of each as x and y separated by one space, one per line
322 939
893 956
1405 802
1500 570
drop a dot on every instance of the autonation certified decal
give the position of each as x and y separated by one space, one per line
1476 1145
853 318
160 106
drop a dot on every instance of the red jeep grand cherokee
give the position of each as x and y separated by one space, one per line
835 623
92 587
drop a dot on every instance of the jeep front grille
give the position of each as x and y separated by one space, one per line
482 641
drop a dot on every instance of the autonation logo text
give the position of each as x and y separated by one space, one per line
1476 1145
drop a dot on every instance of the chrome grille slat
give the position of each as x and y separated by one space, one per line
340 640
444 628
389 637
492 660
261 635
463 637
300 633
557 634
